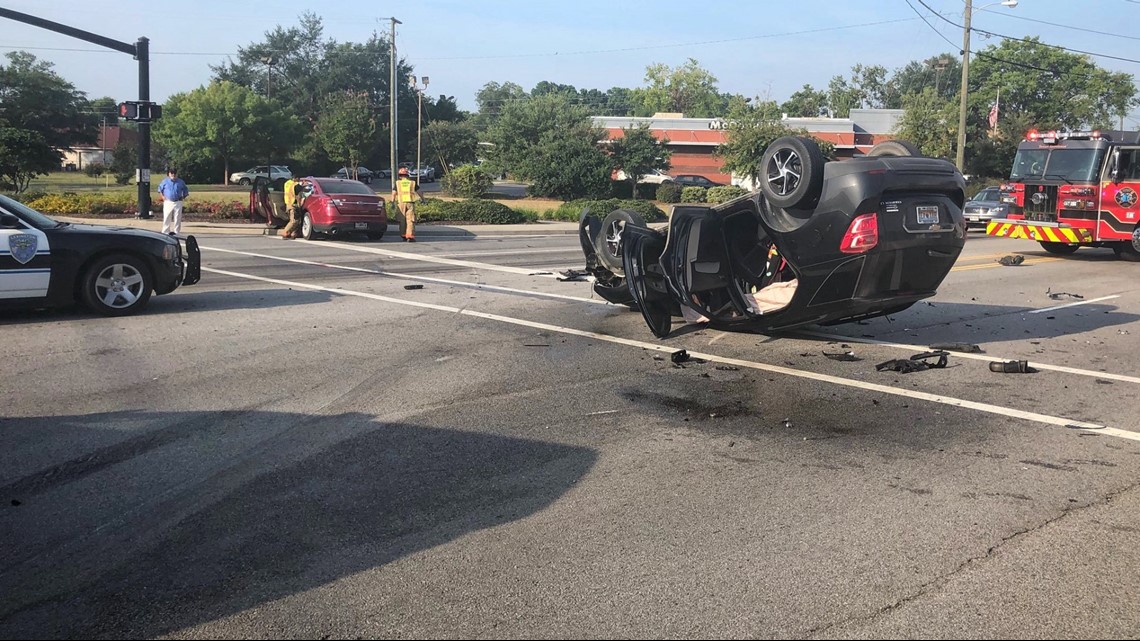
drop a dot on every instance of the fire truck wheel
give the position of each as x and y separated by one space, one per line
1061 249
1125 251
895 148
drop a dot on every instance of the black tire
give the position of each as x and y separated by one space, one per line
607 244
244 181
1127 251
116 285
791 172
307 227
367 180
1060 249
375 235
895 148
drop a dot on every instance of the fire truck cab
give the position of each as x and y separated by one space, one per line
1069 190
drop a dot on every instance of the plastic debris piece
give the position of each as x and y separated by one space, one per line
1012 367
1012 260
413 286
679 356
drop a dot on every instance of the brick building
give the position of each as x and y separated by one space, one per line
693 140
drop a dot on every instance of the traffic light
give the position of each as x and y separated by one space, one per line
129 110
134 110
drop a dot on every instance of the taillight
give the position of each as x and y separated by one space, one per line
862 235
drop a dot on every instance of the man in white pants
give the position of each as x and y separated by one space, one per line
173 192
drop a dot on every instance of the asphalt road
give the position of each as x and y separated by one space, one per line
301 447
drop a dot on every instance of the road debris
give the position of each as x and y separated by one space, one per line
572 274
847 356
1012 260
1059 295
413 286
728 368
915 363
965 348
1012 367
541 274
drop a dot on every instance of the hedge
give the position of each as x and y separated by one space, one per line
126 204
470 211
694 194
669 193
467 181
717 195
572 210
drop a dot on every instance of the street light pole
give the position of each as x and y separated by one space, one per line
961 156
393 91
419 123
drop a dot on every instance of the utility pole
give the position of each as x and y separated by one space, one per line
961 155
393 91
419 124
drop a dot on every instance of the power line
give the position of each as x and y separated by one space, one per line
1069 26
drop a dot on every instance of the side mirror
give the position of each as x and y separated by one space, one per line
1117 170
8 221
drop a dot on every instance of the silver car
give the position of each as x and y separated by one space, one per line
984 207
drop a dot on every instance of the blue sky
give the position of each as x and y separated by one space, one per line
761 48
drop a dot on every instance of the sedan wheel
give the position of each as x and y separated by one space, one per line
307 227
791 172
116 285
609 239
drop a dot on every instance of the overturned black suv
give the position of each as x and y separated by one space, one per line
821 242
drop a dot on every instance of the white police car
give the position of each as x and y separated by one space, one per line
112 270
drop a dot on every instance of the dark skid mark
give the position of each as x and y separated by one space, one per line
1050 466
690 407
913 490
92 462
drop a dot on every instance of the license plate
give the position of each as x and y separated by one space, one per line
362 225
974 219
927 214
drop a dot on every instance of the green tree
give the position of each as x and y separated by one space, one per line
41 115
299 65
750 130
931 122
942 72
224 121
687 89
805 103
842 97
451 143
551 142
346 127
638 153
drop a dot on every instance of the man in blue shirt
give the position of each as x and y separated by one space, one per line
173 192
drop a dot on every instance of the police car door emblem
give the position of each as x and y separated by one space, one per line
23 247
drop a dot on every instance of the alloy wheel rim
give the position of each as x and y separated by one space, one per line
119 286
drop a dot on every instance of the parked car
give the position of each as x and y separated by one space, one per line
112 270
425 173
338 206
985 206
694 180
821 242
656 177
363 174
246 177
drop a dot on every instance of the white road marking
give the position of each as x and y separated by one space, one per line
433 259
775 369
426 279
1080 302
837 337
977 357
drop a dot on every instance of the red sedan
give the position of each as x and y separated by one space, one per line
336 207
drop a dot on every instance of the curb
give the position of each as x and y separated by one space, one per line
422 230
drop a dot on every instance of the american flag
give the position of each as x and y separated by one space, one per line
993 115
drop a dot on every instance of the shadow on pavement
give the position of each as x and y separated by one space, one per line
121 540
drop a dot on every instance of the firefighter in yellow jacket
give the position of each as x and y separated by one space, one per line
405 193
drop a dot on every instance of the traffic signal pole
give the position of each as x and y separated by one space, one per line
142 54
141 51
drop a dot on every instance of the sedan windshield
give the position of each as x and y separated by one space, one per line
35 218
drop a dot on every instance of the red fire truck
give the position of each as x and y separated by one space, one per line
1069 190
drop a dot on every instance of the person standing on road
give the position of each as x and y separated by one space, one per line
173 192
293 205
404 194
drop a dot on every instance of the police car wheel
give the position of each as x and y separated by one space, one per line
116 285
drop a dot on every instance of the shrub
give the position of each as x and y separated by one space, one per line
572 210
467 181
669 193
717 195
693 194
469 211
646 191
94 169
